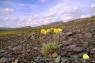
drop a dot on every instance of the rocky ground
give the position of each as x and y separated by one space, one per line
27 49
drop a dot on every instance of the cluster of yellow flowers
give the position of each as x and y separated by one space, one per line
44 31
55 30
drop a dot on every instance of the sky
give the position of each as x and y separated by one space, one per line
19 13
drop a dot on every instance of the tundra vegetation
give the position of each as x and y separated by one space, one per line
59 42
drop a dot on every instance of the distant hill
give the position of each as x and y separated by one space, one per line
78 23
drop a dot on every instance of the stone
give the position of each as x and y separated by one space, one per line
64 60
66 42
75 59
69 33
71 47
2 53
32 62
85 44
80 35
5 60
78 49
92 51
92 60
70 39
58 59
88 35
54 54
16 61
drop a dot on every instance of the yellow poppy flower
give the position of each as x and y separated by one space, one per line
85 56
48 30
57 30
43 31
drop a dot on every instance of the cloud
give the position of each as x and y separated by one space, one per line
85 16
6 10
31 20
92 7
5 21
26 21
53 14
63 12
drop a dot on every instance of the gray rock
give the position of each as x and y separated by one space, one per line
85 44
78 49
64 60
80 35
66 42
68 33
5 60
58 59
88 35
32 62
71 47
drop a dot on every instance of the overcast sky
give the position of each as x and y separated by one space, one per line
16 13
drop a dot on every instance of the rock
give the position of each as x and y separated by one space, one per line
70 39
32 62
2 53
78 49
88 35
69 33
54 55
5 60
16 61
63 53
75 59
92 51
71 47
80 35
64 60
92 60
85 44
58 59
39 59
66 42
